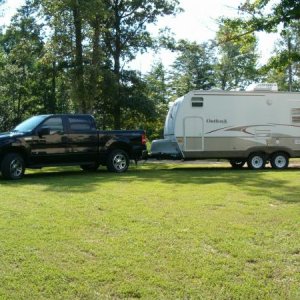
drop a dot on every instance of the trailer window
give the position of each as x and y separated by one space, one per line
296 115
197 101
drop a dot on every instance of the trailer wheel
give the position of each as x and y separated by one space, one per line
13 166
279 160
118 161
237 164
256 161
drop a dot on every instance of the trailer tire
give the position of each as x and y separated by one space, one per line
118 161
256 161
237 163
279 160
13 166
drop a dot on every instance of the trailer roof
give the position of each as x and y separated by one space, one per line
239 93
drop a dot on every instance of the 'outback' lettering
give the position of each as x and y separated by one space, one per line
216 121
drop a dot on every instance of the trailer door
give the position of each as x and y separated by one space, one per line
193 129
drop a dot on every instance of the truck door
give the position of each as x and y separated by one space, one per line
51 147
193 128
83 138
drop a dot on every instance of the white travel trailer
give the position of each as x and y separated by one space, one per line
257 127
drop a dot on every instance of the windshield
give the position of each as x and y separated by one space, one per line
30 124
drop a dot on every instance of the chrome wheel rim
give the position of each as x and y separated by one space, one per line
16 168
120 162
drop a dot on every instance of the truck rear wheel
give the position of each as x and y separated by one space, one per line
118 161
256 161
279 160
13 166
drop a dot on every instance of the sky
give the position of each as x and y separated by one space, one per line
196 23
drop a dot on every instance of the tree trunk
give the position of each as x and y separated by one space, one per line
95 64
290 69
117 71
223 81
117 102
52 105
79 71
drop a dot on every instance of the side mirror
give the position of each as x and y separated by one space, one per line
43 131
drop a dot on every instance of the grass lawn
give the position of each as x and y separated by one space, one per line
160 231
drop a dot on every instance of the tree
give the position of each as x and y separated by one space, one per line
193 68
22 46
79 66
270 16
80 92
127 34
74 28
159 94
284 66
237 65
97 37
262 18
137 108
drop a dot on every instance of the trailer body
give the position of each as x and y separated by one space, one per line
232 125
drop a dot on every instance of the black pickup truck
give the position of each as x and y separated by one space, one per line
54 140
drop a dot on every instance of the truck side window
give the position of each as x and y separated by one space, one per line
55 124
197 101
80 123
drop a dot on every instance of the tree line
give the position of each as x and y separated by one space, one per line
74 56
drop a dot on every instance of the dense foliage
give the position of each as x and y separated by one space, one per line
74 56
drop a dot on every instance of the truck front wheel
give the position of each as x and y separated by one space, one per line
118 161
13 166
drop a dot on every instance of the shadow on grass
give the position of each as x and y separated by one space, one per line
257 183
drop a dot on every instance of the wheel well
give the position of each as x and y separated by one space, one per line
20 151
121 146
262 153
281 151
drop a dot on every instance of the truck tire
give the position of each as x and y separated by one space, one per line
118 161
279 160
256 161
90 167
13 166
237 163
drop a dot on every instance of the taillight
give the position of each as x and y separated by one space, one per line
144 139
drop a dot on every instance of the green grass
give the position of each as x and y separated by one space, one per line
160 231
